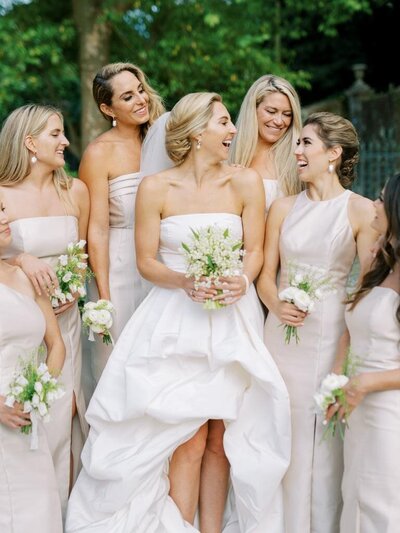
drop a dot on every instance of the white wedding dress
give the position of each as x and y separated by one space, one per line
174 367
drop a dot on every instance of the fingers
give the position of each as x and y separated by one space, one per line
62 308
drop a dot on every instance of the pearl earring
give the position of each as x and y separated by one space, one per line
114 122
198 145
331 168
33 159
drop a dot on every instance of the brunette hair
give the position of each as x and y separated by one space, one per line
389 252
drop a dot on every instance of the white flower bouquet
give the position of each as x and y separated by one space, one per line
307 285
36 389
97 318
331 391
212 253
72 273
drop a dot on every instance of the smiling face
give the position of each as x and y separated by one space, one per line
218 135
274 116
312 155
5 232
50 144
380 222
130 101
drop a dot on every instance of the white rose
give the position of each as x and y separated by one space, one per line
21 380
67 277
89 305
288 294
38 387
35 400
63 260
42 369
333 382
103 316
97 328
27 407
302 300
46 377
69 297
81 244
298 279
42 408
81 291
10 401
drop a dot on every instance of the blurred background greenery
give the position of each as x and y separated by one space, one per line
50 50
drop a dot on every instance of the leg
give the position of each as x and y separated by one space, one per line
184 473
214 479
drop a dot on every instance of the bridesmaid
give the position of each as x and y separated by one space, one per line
110 169
269 125
371 482
47 210
29 499
324 226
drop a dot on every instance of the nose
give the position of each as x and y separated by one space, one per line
141 98
278 118
298 150
233 129
64 141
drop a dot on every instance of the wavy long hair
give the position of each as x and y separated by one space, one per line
245 141
103 91
389 252
15 158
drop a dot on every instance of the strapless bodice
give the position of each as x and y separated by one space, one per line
177 229
43 237
272 192
375 330
22 327
121 197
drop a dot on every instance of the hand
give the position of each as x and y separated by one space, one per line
13 417
202 293
355 391
233 288
41 275
62 308
289 314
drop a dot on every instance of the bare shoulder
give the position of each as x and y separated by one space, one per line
156 183
244 176
101 147
283 205
360 206
79 189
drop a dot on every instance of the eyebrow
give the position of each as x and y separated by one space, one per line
306 139
224 117
289 110
56 130
140 86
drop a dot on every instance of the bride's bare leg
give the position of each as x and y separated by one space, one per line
184 473
214 479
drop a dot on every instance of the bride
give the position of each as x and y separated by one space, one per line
190 405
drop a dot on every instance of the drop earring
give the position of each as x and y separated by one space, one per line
114 122
33 159
331 168
198 145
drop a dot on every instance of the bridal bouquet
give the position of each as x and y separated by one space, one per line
72 272
307 285
36 389
97 318
212 253
331 391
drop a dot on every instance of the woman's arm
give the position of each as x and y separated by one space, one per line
267 288
93 172
361 214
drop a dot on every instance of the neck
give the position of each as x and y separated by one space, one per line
200 168
325 187
128 132
39 179
263 160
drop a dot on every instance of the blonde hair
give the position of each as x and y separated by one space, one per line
334 130
103 91
15 157
188 118
245 142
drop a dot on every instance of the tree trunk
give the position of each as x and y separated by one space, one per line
94 39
